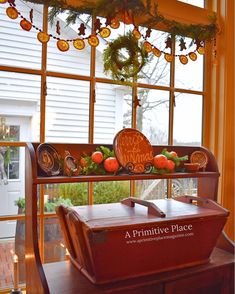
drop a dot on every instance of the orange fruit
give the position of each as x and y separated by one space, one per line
83 162
173 153
111 164
97 157
160 161
170 165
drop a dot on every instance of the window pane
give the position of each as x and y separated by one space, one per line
67 110
190 75
187 127
20 105
153 115
157 71
127 108
9 156
54 247
9 247
110 192
181 187
112 111
151 189
13 169
76 193
199 3
12 184
72 61
18 47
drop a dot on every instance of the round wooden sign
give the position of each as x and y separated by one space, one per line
133 150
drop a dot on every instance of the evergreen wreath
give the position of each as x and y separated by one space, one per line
122 67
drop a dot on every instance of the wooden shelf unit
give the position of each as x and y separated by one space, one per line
41 278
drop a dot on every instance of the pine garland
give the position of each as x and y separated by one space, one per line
111 9
120 67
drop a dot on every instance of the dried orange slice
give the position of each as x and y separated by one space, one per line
93 40
168 57
201 50
25 25
79 44
43 37
156 52
63 45
183 59
12 12
136 33
3 1
105 32
115 24
147 46
192 56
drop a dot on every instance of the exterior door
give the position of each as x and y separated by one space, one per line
19 128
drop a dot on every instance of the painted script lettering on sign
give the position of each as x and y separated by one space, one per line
133 150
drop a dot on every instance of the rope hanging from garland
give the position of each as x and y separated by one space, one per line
115 62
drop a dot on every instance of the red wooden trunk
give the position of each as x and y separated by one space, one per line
123 240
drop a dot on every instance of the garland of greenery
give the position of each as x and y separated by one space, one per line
121 67
110 9
197 32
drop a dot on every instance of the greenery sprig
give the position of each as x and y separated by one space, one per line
90 167
176 159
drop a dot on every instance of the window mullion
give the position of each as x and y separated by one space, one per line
133 124
42 125
172 94
92 105
92 88
171 109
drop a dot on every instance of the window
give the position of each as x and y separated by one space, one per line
199 3
65 97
